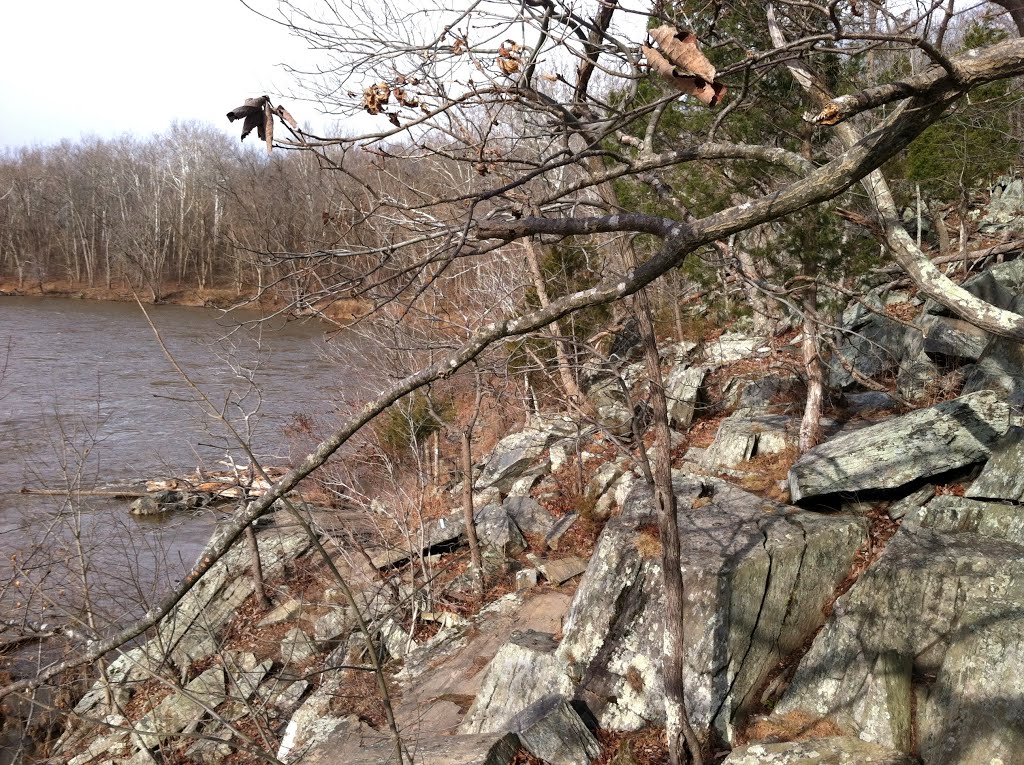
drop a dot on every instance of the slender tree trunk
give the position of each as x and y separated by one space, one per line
940 228
810 425
565 372
468 511
256 567
677 304
678 726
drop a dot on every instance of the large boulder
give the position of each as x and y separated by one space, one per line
1001 285
924 652
733 346
745 434
961 514
529 515
191 630
354 743
1003 476
181 711
757 575
525 670
1005 210
440 680
682 389
944 336
873 346
1000 368
498 531
552 730
513 456
887 455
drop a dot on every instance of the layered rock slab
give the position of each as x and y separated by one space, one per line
354 743
926 442
189 632
924 652
757 575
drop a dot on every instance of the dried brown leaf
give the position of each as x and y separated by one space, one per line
393 119
405 99
252 121
711 93
268 126
682 50
287 117
252 114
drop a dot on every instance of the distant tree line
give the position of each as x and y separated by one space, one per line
186 208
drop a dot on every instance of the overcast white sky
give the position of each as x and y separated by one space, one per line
70 68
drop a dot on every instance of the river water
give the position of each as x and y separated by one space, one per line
88 399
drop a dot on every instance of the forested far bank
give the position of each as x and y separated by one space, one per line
188 216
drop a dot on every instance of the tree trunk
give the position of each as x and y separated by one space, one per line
678 728
256 567
467 508
565 372
810 425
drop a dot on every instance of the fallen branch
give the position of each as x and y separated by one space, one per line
111 493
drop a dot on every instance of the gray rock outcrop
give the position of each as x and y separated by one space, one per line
682 390
926 442
552 730
924 651
182 710
745 434
756 575
1003 474
513 456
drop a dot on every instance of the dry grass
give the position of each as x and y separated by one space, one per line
643 747
243 634
703 432
766 471
146 696
634 679
952 490
648 543
794 726
902 311
523 757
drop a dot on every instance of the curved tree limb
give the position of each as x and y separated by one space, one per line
975 68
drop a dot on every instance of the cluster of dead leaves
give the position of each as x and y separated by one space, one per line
258 113
510 57
681 63
376 97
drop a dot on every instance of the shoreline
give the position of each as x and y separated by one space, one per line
191 297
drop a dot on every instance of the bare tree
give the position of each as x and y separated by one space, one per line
520 118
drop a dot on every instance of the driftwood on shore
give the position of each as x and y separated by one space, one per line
201 489
204 488
111 493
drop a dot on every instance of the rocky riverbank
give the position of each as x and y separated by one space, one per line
861 604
